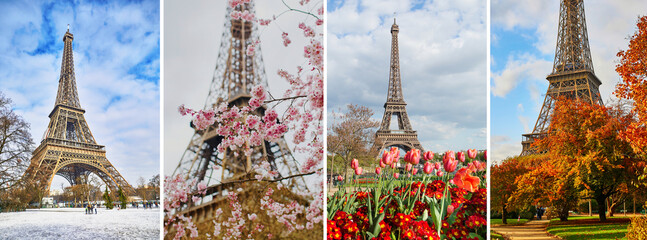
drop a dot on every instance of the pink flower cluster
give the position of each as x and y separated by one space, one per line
177 191
286 40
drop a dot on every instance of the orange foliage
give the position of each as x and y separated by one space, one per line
633 70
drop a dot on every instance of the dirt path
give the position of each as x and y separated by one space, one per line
535 230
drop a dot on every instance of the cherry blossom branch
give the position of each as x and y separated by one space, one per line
296 10
286 98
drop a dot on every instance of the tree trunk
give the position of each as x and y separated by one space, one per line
563 214
601 208
504 215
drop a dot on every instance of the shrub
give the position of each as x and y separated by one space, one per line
637 229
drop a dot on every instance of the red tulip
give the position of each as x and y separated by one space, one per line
354 163
450 209
407 167
393 165
395 152
471 153
396 175
437 166
449 161
464 180
358 171
429 155
340 178
414 171
412 156
461 156
428 167
386 158
378 170
485 155
382 164
439 173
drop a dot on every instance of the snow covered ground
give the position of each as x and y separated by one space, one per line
73 223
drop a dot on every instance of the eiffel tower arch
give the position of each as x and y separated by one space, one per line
573 75
235 74
404 137
68 148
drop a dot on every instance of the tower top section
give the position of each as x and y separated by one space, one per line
67 94
572 52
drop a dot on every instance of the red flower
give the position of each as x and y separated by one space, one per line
471 153
354 163
428 167
429 155
461 156
463 180
412 156
378 170
449 161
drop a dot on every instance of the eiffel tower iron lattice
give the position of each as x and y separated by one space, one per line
235 74
68 148
405 137
573 75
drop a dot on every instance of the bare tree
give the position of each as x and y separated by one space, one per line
352 136
15 145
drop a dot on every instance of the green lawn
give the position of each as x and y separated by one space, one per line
589 228
510 221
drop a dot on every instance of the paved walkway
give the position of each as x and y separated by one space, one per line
535 230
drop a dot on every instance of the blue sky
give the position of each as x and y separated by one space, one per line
523 38
117 63
443 60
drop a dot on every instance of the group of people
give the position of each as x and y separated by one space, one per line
90 208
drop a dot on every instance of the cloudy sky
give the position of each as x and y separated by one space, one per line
192 31
442 60
116 60
523 38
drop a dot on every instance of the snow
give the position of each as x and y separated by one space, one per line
73 223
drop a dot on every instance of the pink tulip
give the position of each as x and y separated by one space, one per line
439 173
428 167
407 167
429 155
437 166
471 153
354 163
461 156
340 178
414 171
449 162
395 152
358 171
412 156
378 170
450 209
382 164
386 158
485 155
396 175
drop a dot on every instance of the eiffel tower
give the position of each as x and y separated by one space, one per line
404 137
235 74
68 148
573 75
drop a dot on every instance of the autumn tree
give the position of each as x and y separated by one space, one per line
502 177
633 70
352 136
15 145
586 151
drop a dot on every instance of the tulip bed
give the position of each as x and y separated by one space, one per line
429 205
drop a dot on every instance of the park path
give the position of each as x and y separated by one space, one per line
535 230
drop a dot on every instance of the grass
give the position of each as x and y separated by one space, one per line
511 221
589 228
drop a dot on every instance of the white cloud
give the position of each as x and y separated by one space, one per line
517 69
